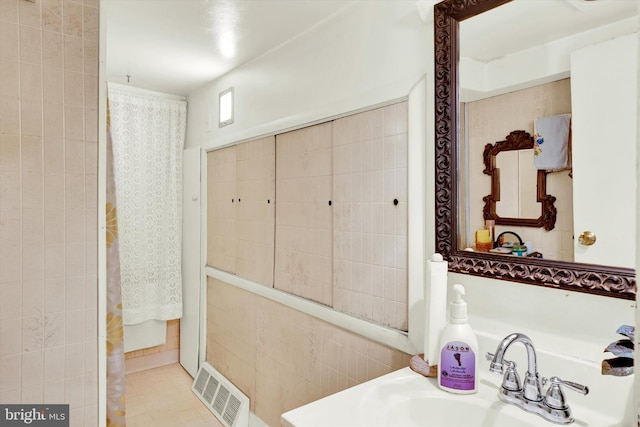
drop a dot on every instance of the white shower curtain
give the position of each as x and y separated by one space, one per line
148 132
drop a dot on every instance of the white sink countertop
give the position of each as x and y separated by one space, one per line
405 398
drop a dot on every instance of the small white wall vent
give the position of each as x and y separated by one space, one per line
225 107
222 398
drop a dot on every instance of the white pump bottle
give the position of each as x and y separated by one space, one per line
457 368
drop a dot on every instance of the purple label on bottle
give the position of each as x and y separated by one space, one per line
458 366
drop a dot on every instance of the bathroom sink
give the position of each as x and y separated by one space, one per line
446 412
405 398
410 400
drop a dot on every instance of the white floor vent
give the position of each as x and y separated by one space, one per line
222 398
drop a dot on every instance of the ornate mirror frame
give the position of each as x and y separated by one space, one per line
596 279
516 140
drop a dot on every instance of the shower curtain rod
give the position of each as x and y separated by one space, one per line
146 91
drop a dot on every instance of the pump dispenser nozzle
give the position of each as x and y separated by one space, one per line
458 365
458 307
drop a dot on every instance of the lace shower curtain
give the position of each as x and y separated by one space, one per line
148 134
115 345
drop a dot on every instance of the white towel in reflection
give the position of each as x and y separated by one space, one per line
551 145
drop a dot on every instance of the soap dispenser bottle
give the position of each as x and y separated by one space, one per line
457 370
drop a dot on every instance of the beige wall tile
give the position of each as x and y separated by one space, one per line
9 154
11 337
73 88
172 341
54 330
32 298
31 117
9 115
31 156
29 13
74 191
90 22
32 369
54 191
91 123
40 242
10 77
31 82
298 358
74 393
52 15
91 57
72 19
32 335
54 260
9 11
73 55
30 44
52 52
54 362
10 189
10 292
9 38
74 122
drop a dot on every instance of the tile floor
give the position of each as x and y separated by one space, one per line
162 397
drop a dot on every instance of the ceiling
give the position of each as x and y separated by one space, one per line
177 46
522 24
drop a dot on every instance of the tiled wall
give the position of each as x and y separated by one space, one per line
282 358
350 254
48 204
341 213
369 227
341 229
152 357
241 200
255 210
491 120
221 217
303 213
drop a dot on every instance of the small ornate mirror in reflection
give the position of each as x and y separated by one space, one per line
520 185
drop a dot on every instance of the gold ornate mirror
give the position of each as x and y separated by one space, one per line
604 280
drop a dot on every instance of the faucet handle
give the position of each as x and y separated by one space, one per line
497 368
555 397
579 388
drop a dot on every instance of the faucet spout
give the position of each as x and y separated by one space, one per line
527 395
532 383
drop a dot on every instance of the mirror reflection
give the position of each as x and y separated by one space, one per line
525 199
517 180
557 59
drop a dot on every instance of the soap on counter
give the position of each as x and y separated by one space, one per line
457 369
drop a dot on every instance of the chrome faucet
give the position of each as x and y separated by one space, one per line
529 397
